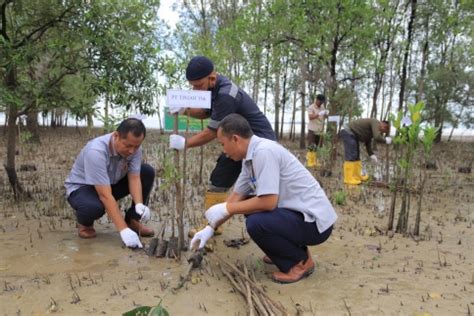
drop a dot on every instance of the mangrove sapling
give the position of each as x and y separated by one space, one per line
429 135
407 141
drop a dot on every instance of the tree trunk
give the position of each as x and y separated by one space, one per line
11 83
303 76
424 59
265 92
283 103
403 79
33 127
277 101
293 117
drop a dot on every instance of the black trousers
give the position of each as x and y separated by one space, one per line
314 139
225 172
88 207
283 235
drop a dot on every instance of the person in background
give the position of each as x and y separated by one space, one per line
226 98
107 169
316 114
285 207
361 130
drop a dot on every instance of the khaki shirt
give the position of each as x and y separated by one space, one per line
365 130
317 124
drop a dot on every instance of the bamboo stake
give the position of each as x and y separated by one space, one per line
179 200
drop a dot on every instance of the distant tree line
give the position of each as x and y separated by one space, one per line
58 58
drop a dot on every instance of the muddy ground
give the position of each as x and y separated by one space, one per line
46 269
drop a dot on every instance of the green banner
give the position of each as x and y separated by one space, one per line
194 124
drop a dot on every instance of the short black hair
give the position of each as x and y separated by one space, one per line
131 125
235 124
321 98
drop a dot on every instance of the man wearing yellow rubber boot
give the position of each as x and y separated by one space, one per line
226 98
362 130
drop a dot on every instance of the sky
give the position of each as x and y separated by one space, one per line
166 13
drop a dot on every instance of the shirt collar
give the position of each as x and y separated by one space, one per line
254 141
111 148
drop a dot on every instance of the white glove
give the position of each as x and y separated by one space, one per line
177 110
216 213
177 142
143 211
130 238
323 112
388 140
202 236
374 159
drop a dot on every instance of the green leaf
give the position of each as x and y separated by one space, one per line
158 311
139 311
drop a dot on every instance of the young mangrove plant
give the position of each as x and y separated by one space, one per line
407 143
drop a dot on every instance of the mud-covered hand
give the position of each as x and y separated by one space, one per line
143 211
201 237
388 140
177 142
130 238
216 213
374 159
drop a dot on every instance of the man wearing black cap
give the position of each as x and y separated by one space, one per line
226 98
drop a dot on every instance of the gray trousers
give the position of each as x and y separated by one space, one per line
351 145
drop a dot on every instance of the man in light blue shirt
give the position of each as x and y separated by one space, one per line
286 209
107 169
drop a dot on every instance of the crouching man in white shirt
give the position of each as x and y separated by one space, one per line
286 209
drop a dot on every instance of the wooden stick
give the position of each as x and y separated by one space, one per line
232 281
249 293
254 285
239 285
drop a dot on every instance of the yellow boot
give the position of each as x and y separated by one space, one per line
311 159
362 177
350 169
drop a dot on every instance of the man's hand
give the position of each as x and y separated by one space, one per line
143 211
130 238
216 213
180 111
201 237
388 140
177 142
323 113
374 159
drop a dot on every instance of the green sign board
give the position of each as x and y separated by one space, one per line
194 124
